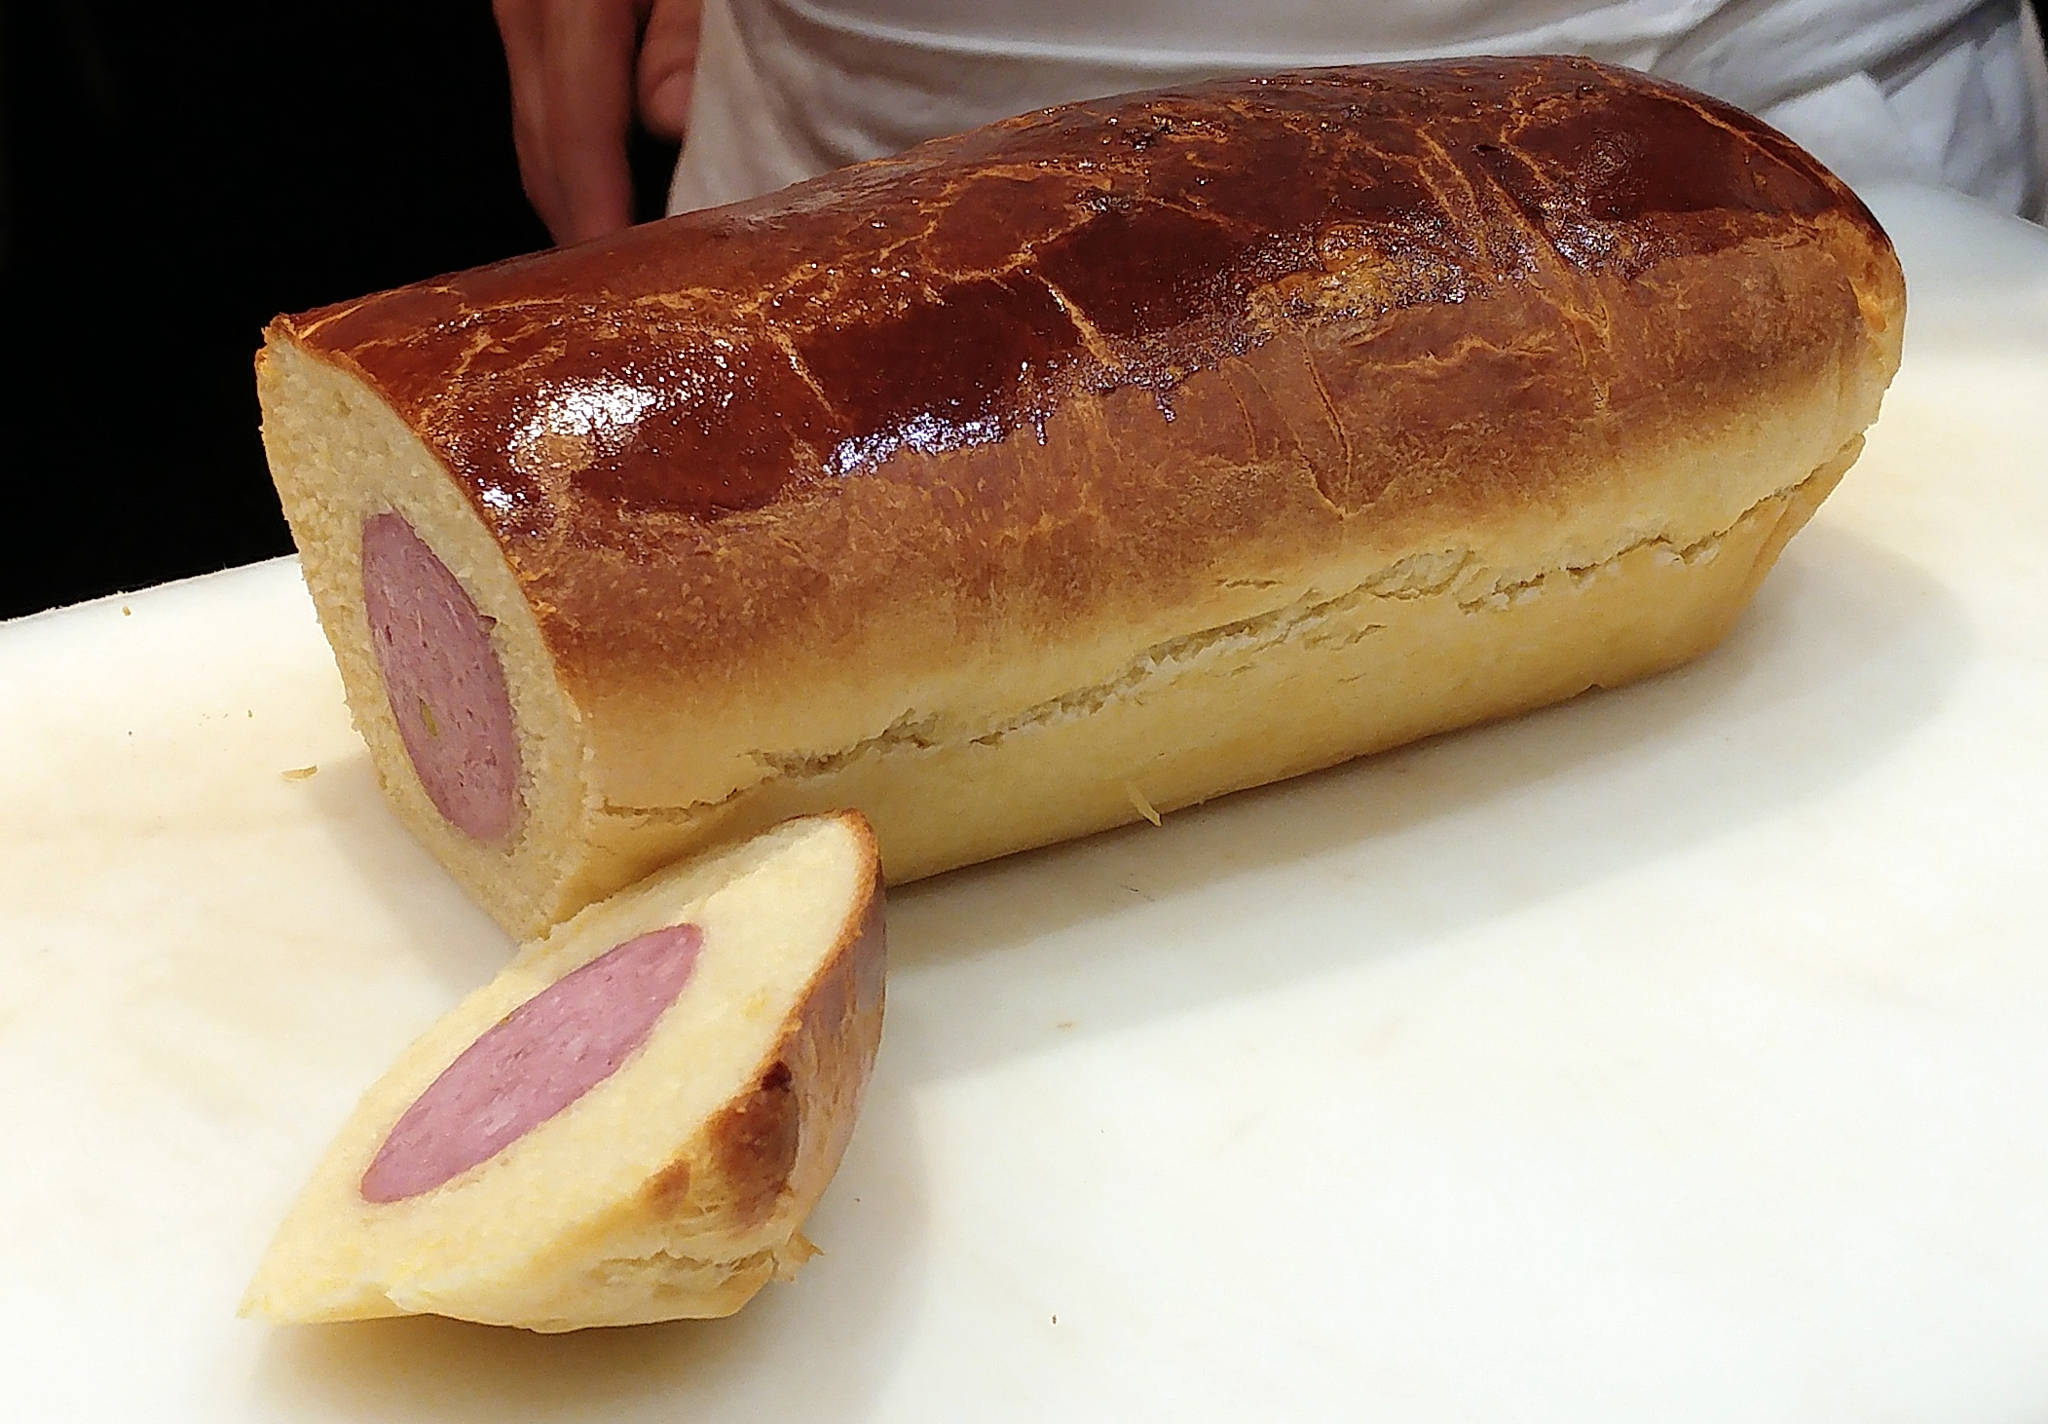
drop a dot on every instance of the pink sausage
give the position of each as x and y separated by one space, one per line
533 1063
445 684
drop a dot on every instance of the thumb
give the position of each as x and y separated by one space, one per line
667 66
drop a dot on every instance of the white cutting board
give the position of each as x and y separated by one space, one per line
1681 1053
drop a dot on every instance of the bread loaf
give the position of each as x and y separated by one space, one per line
1090 464
630 1123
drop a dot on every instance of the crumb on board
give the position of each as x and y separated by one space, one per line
299 773
126 611
1138 800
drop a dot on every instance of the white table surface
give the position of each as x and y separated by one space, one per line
1681 1053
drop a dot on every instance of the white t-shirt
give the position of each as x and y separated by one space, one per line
1950 92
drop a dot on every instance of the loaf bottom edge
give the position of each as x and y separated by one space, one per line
1338 678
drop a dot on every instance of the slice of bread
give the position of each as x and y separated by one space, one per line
629 1124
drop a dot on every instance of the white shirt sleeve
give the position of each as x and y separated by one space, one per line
1950 92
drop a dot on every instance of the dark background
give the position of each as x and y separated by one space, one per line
170 178
173 176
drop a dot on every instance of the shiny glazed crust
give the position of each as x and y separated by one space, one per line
676 1188
1110 457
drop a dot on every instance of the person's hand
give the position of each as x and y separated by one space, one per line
581 70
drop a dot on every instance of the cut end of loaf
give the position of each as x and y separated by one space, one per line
480 752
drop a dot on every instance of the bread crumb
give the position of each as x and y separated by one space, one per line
1138 800
300 773
126 611
791 1255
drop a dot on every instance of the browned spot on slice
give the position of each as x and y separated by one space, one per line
668 1189
755 1139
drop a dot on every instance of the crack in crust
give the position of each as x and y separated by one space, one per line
1173 230
1305 622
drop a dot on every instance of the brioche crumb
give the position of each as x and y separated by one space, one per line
1144 807
792 1254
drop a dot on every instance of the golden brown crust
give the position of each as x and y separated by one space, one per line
1126 453
769 1154
1307 311
668 1191
753 1142
831 1049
